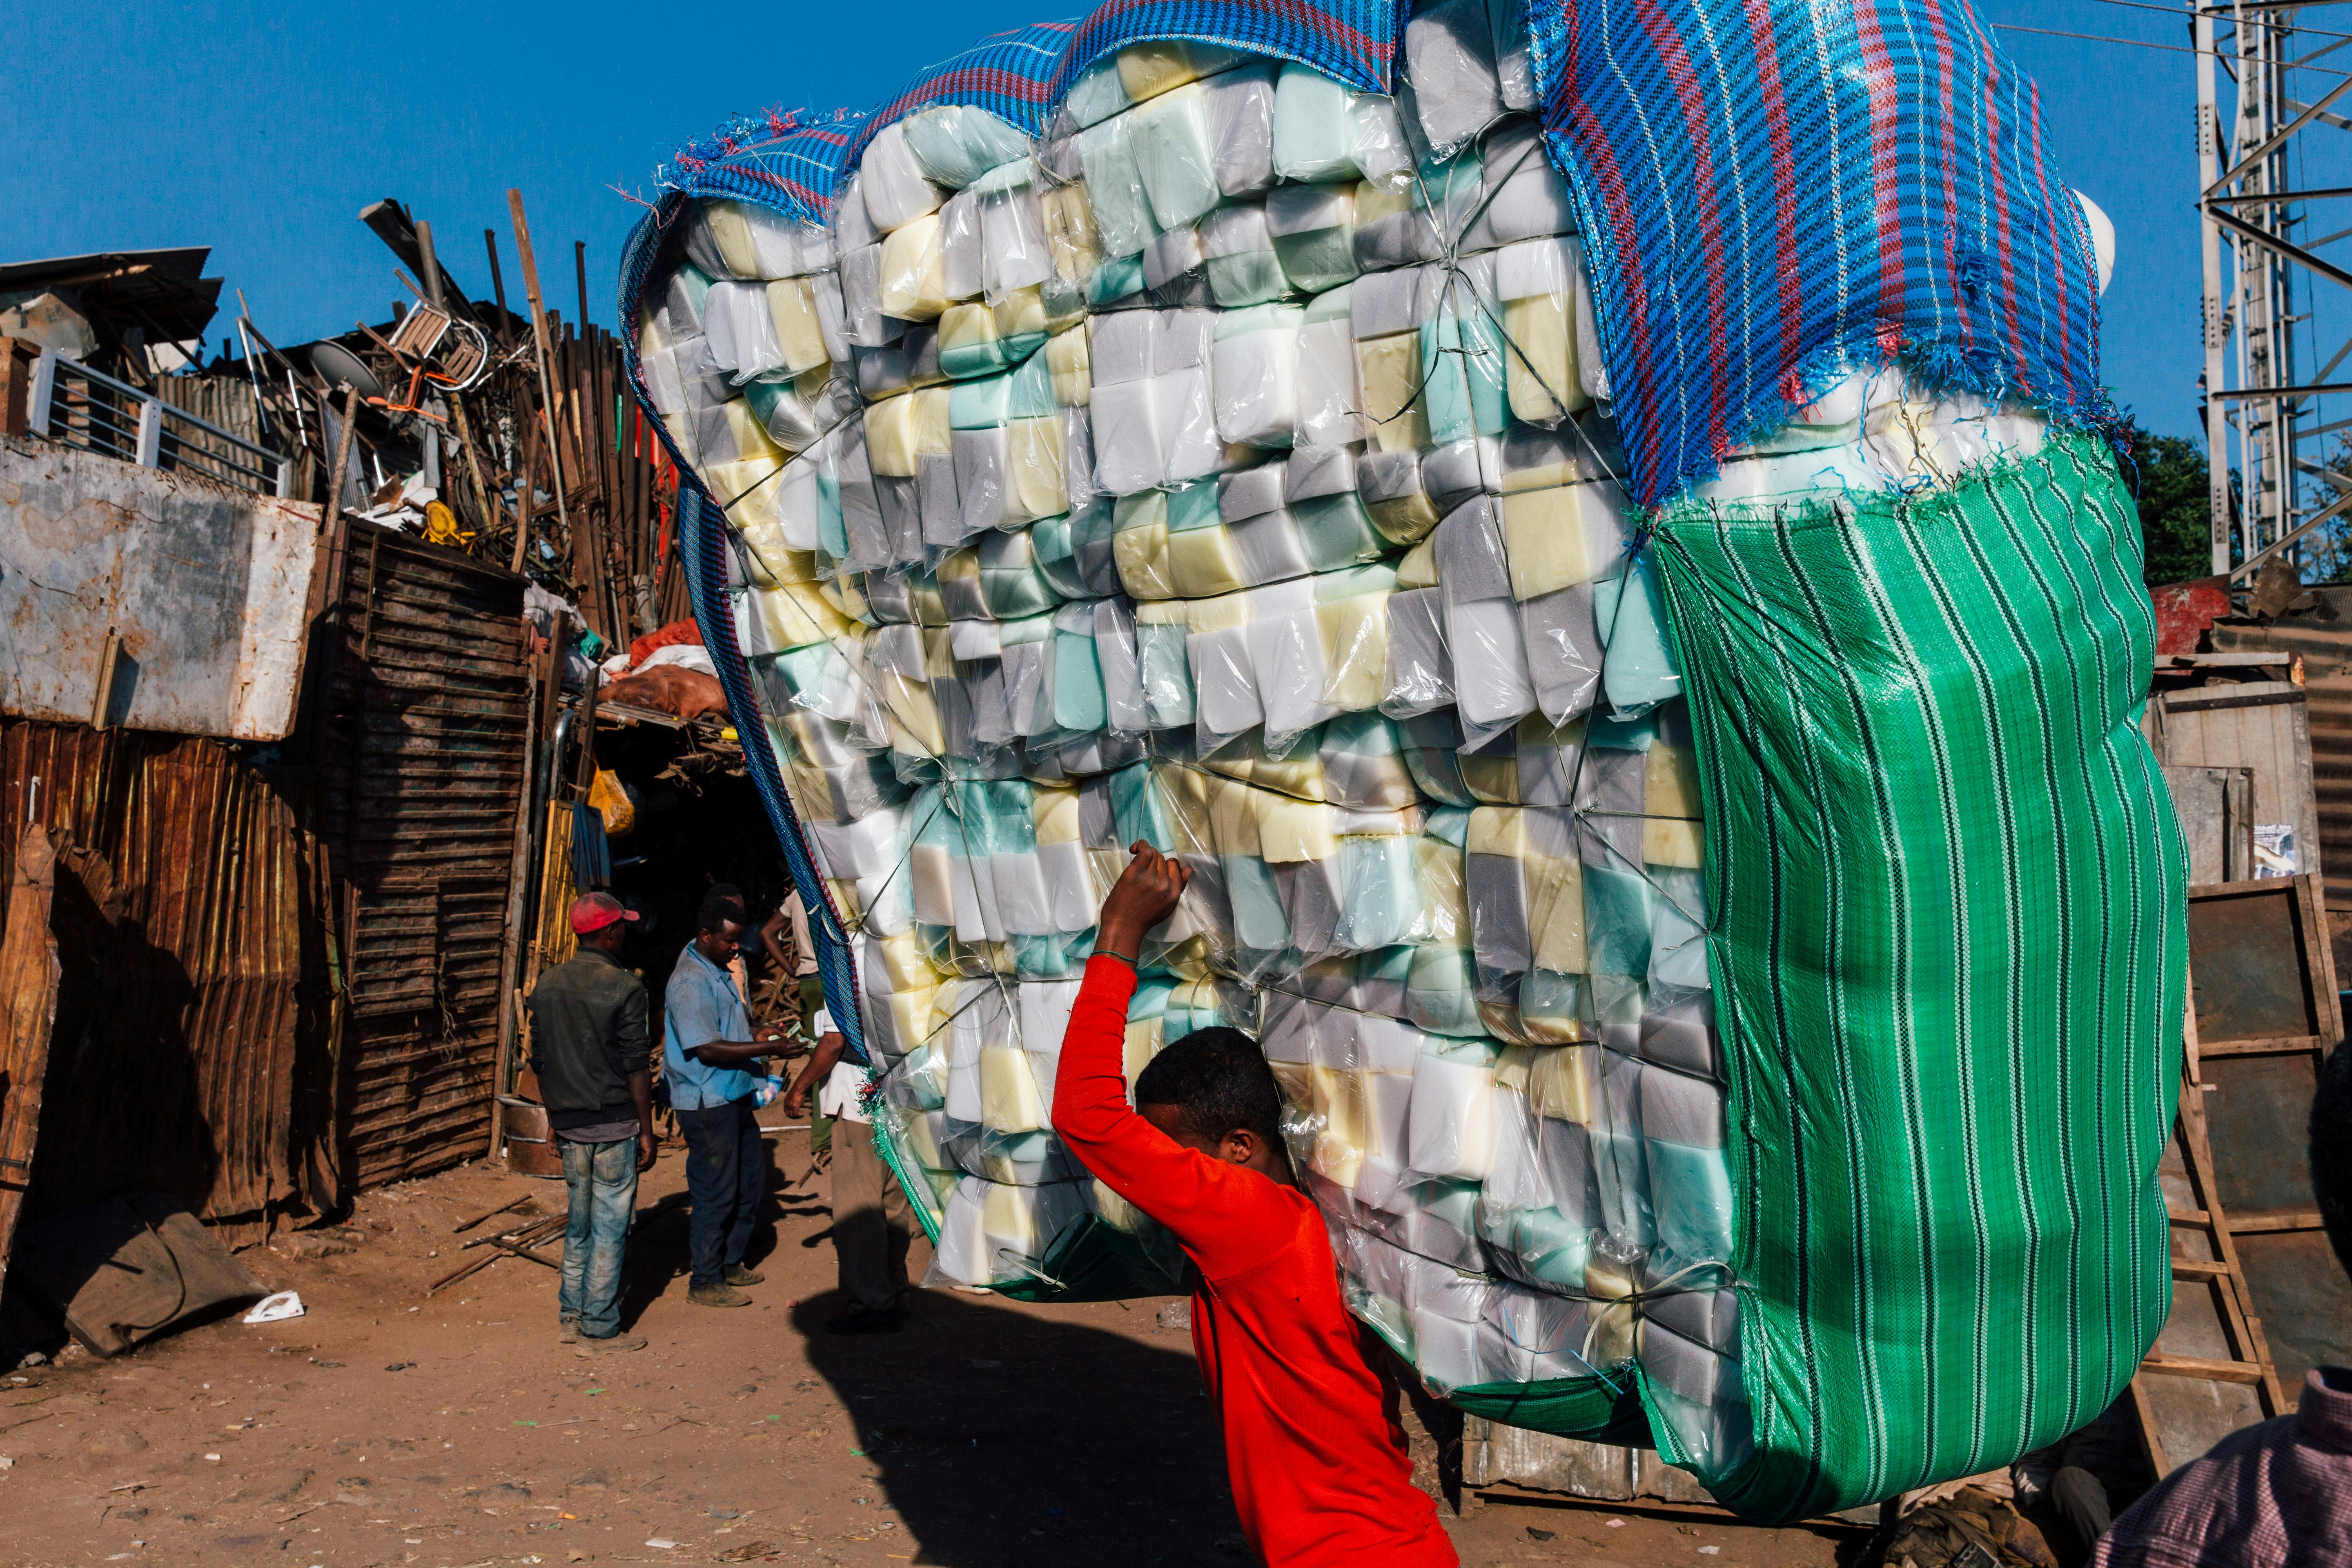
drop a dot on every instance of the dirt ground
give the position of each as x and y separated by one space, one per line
384 1427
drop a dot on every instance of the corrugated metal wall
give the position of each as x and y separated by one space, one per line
422 753
187 920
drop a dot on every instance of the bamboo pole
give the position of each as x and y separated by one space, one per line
538 330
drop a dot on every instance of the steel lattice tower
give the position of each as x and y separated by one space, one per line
2268 80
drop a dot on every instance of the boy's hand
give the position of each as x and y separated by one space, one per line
1141 897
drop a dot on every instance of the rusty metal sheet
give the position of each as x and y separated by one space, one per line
2251 961
423 764
206 589
2267 1014
2300 1296
185 924
28 1012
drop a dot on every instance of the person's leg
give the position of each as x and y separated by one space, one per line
2081 1500
859 1232
615 1191
578 1227
711 1146
751 1182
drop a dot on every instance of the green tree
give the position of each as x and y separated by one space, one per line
2175 515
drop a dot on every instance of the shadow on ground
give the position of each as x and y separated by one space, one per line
659 1250
1004 1437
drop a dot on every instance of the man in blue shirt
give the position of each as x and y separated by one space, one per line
707 1055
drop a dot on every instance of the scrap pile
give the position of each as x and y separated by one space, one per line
505 434
1231 438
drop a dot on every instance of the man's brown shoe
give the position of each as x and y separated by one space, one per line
721 1295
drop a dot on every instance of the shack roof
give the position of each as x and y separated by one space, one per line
164 292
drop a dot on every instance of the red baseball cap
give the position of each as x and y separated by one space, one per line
594 911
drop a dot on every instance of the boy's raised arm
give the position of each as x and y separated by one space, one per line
1183 1190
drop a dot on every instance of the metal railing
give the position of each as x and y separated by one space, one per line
79 406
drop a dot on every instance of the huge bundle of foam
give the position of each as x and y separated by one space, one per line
1231 467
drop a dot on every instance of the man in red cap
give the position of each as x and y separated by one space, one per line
591 1051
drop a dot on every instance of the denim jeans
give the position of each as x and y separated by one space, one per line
601 1181
726 1177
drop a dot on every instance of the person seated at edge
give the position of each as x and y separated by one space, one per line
2279 1492
1312 1441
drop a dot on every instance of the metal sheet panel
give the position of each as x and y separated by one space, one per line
182 911
206 587
2260 725
424 747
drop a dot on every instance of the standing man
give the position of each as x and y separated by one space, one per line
706 1053
589 1049
869 1211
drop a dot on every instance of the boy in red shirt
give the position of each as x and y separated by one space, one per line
1312 1441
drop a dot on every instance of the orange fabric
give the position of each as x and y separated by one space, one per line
675 632
1312 1441
669 688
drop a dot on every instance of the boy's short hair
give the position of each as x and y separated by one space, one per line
1219 1080
2331 1151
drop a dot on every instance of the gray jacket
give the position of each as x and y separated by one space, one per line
587 1036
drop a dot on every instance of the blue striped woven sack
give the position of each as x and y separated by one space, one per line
1774 194
787 160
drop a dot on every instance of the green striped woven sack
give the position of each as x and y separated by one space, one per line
1948 962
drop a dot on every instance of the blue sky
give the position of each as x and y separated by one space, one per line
261 130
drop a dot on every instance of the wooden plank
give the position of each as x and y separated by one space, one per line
2271 1221
2245 1328
28 1004
2209 1371
2266 1045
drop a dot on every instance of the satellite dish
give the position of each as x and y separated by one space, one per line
338 367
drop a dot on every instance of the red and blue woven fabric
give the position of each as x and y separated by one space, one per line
1352 41
1011 74
790 159
1022 76
1775 194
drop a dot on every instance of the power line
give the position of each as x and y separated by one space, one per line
2219 20
2144 44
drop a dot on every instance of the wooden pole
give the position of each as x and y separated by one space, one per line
538 330
580 269
524 485
502 1070
334 506
498 287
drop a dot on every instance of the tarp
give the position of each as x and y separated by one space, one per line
1771 194
1950 957
1774 194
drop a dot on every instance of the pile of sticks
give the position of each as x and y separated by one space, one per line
520 1237
586 447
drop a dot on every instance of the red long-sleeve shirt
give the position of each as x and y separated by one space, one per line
1312 1440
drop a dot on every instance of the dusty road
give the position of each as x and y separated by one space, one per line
387 1428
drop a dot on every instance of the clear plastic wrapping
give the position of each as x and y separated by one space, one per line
1331 591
